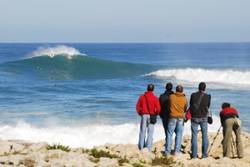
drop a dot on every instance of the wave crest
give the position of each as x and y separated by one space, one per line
57 50
226 76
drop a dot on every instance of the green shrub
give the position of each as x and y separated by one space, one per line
137 165
163 161
58 147
101 153
94 160
123 160
85 151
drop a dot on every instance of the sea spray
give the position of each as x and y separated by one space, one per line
69 52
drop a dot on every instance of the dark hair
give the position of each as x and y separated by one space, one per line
202 86
225 105
179 88
150 87
169 86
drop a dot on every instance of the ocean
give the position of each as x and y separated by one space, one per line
84 94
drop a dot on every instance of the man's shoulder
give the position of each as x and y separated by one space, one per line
165 95
174 97
207 95
198 93
141 96
194 94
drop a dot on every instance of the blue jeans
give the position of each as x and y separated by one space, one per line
195 122
146 133
174 125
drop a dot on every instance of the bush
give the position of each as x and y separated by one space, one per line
58 147
163 161
101 153
123 160
137 165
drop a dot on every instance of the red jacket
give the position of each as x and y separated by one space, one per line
153 104
229 112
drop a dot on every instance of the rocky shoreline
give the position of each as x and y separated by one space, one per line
26 154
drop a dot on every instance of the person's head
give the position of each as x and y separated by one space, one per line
202 86
169 86
150 87
225 105
179 88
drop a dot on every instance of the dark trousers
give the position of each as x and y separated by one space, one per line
165 127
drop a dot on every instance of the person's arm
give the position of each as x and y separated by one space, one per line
185 107
191 100
161 104
209 101
139 106
237 113
221 120
157 106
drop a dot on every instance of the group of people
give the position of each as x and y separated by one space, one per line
172 108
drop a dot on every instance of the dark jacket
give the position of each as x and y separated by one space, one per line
165 104
202 110
152 102
229 112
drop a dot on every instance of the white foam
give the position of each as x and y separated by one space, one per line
194 75
85 136
57 50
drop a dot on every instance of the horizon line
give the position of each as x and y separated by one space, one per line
119 42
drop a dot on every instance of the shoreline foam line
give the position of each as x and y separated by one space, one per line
87 135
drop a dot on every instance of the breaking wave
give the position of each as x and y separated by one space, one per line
66 63
57 50
194 75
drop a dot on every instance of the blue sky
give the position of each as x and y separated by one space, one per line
124 21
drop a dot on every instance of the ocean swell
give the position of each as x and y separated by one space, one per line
70 64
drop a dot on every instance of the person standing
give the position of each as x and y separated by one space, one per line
165 107
199 105
230 122
147 104
178 107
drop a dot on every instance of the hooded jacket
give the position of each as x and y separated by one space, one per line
178 105
153 104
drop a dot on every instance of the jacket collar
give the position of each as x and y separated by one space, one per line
179 94
149 93
169 92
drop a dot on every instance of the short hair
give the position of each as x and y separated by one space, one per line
179 88
225 105
169 86
202 86
150 87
